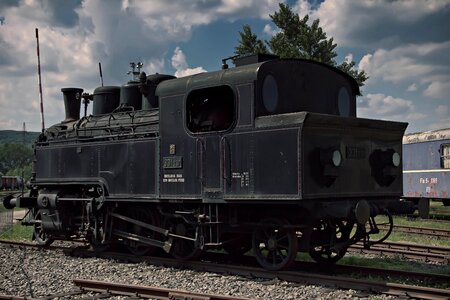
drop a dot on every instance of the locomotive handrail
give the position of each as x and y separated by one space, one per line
99 138
226 161
78 124
200 154
153 123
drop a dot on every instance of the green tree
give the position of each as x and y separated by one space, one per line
14 157
24 172
348 67
249 43
297 39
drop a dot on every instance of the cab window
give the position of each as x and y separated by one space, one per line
210 109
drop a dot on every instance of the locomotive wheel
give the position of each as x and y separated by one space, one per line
379 228
324 253
275 248
41 237
183 249
239 244
146 215
95 239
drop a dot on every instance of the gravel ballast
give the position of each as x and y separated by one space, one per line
40 272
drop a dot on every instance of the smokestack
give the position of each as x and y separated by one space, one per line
72 103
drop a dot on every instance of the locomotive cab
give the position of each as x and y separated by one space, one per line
288 86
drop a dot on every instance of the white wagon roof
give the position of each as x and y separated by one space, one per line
420 137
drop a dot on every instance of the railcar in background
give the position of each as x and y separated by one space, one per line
268 156
11 182
426 168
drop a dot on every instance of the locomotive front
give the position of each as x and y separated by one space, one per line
267 156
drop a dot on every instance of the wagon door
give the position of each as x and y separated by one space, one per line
211 161
210 114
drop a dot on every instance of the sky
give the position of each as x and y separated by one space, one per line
403 46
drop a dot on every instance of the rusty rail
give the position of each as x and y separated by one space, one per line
427 253
146 291
440 233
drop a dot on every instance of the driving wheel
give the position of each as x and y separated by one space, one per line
274 247
39 234
148 216
325 237
184 247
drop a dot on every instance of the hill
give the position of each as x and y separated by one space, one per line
13 136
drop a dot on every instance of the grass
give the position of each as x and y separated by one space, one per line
419 239
389 263
18 233
393 263
414 238
422 223
437 207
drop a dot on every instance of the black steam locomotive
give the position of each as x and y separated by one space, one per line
268 156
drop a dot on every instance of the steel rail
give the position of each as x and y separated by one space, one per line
406 250
146 291
421 231
411 247
51 247
339 269
327 280
12 297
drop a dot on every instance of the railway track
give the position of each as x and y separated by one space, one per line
387 288
423 253
440 233
435 215
93 289
314 274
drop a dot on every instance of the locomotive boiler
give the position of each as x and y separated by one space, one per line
267 156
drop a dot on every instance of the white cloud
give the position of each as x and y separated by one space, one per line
416 63
438 90
412 87
269 30
387 105
303 8
180 64
354 22
349 58
380 106
75 37
395 65
441 110
181 16
440 124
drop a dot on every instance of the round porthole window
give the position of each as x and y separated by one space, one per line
344 102
270 93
